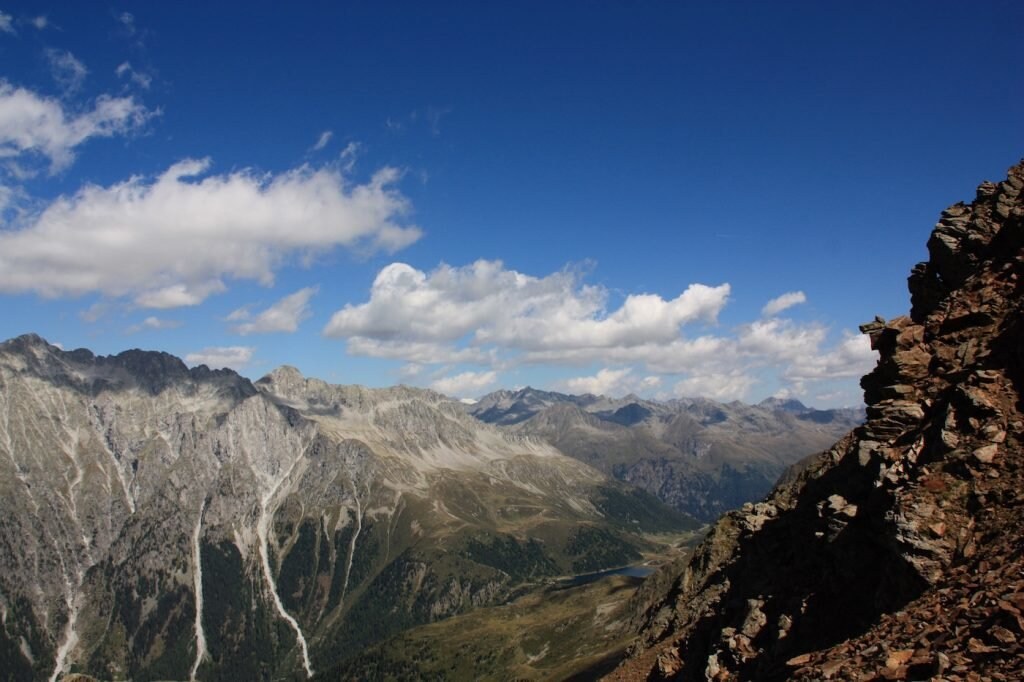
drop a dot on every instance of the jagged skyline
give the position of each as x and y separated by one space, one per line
666 199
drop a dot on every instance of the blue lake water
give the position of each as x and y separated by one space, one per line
631 571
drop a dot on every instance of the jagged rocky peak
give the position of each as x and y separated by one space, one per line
896 553
289 384
152 371
285 381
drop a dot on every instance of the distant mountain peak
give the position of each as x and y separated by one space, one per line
785 404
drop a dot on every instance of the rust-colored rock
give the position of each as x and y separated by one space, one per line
896 554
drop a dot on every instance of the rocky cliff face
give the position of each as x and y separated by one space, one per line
896 554
699 456
158 522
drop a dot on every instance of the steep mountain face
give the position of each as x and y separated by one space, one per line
158 522
897 553
699 456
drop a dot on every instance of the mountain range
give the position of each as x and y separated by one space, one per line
699 456
161 522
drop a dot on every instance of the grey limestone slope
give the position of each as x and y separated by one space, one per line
161 522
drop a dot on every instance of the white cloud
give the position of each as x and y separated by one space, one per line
349 155
6 23
487 315
34 125
172 241
217 357
670 358
605 382
424 353
462 384
722 386
322 141
67 71
612 382
40 22
126 70
179 295
851 357
510 309
780 339
283 316
780 303
153 323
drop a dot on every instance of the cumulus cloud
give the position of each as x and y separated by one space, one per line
40 22
322 141
605 382
6 23
494 317
173 240
780 303
283 316
36 126
424 353
851 357
722 386
67 71
494 305
461 385
217 357
780 339
153 323
676 356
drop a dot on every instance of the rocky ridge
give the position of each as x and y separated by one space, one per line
897 554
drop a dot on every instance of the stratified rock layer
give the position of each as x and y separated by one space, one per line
897 554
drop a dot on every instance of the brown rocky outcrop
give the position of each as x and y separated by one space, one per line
898 553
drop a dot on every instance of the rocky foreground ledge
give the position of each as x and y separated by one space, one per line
897 554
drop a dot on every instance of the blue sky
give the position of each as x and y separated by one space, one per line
669 198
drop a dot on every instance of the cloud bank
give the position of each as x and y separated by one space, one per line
173 240
489 304
487 315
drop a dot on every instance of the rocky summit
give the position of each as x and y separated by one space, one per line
897 554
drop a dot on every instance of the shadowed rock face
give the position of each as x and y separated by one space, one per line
896 554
